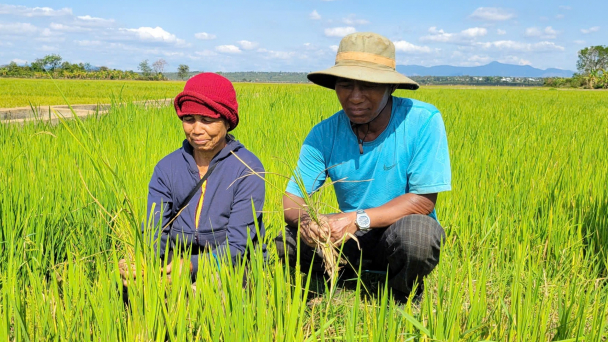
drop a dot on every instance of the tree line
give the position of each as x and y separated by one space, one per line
592 73
54 66
592 66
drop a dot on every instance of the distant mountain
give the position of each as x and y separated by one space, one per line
492 69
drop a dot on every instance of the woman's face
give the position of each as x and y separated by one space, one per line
205 134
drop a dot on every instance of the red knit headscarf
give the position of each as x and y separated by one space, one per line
211 95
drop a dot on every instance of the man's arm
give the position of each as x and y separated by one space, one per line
408 204
384 215
293 209
343 223
296 216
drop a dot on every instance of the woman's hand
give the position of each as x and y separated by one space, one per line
127 272
178 267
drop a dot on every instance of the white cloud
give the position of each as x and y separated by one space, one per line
353 21
270 54
514 60
53 40
204 36
547 33
19 61
67 28
438 35
474 32
198 55
590 30
88 43
501 32
247 45
524 62
49 48
465 37
518 46
402 45
479 60
47 32
314 15
334 48
550 31
17 29
87 20
560 16
206 53
228 49
33 11
492 14
156 34
533 32
339 31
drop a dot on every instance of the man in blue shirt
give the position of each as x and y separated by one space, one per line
387 158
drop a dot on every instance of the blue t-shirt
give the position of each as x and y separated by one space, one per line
409 156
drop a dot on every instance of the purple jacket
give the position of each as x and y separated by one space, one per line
227 213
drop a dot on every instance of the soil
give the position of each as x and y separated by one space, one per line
51 113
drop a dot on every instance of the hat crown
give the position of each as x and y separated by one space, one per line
364 56
208 94
211 85
368 42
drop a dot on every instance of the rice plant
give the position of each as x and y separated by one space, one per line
525 257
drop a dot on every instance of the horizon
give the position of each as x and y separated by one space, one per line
298 36
279 71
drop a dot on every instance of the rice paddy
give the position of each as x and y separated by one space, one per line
526 224
36 92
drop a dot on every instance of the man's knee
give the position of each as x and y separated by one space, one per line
420 236
285 243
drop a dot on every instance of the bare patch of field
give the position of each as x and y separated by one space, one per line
52 114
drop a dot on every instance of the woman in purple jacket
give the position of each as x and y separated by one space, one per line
219 217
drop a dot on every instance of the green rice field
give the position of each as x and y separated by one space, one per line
527 225
25 92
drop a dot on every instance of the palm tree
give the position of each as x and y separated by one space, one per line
592 78
604 78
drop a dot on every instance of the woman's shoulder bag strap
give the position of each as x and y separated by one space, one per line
183 205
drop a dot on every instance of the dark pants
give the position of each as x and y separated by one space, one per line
408 249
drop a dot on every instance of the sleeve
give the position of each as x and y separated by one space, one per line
249 196
429 170
311 171
159 208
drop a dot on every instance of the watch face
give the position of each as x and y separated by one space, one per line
363 221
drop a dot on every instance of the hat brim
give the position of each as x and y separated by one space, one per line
327 78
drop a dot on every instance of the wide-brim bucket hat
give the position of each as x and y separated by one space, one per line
364 56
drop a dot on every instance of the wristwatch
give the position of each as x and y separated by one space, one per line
362 221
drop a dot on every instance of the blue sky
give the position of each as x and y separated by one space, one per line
298 35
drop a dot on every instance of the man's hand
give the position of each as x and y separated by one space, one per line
311 231
336 226
342 225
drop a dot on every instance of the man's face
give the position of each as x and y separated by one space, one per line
362 101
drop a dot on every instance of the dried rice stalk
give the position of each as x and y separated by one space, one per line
332 259
312 205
